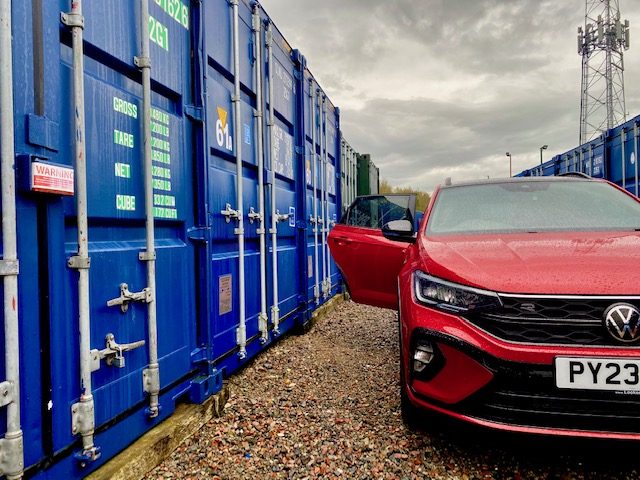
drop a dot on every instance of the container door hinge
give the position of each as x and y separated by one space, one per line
113 353
9 268
11 455
79 263
198 234
194 113
145 296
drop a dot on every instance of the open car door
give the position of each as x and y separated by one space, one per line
369 262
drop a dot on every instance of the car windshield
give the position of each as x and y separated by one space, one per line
533 206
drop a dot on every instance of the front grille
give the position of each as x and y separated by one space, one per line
570 321
526 395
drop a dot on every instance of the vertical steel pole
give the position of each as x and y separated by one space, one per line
350 170
257 38
83 411
635 154
150 375
11 446
242 325
342 175
623 138
354 176
323 189
314 160
327 224
275 216
581 160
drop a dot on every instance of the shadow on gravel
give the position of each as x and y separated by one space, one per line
505 455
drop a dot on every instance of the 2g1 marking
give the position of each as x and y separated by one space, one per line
158 33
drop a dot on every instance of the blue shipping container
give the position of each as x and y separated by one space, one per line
243 163
612 156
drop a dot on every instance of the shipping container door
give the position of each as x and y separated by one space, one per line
31 224
280 174
284 171
333 186
114 151
312 199
222 141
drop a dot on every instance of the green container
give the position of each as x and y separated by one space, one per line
368 176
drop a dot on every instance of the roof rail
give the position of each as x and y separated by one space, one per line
574 174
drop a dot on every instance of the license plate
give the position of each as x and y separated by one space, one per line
613 374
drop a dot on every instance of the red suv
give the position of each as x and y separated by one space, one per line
518 301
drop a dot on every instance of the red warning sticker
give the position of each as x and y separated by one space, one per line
52 178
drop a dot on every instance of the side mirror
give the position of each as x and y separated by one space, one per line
399 231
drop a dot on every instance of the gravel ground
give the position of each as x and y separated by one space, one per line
326 405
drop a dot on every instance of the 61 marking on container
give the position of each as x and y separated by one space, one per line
51 178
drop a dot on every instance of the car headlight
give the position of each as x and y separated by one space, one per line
452 297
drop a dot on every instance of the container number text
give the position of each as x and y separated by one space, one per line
158 33
176 10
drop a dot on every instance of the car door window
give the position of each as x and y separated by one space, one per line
376 211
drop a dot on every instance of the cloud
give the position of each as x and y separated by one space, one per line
438 88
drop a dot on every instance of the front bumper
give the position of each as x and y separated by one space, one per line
487 381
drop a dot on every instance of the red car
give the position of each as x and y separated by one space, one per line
518 301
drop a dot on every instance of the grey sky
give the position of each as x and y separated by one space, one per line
439 88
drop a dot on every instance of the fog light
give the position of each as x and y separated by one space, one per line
422 356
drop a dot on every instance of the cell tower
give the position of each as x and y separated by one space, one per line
602 43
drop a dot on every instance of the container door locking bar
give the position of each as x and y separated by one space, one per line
126 297
113 353
279 218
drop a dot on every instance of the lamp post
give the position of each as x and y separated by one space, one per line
544 147
510 164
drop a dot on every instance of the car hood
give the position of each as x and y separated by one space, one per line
538 263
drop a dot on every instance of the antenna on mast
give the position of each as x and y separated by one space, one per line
601 43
